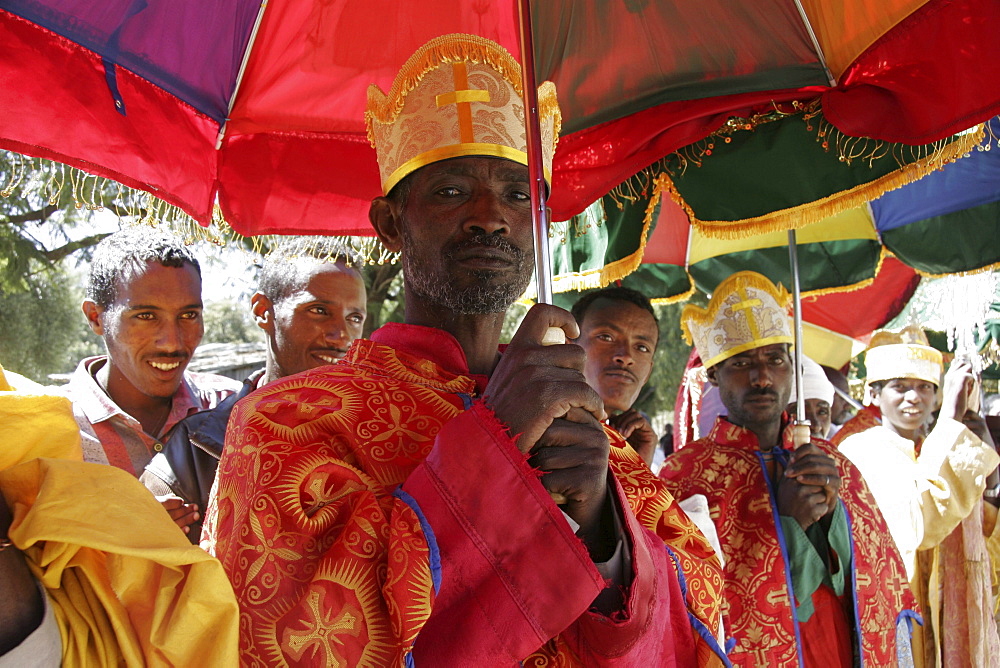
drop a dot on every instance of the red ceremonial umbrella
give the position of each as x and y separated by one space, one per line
259 106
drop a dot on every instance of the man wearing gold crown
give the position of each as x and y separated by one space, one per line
812 578
931 492
398 509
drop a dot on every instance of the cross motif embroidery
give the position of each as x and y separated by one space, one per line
746 304
324 629
461 97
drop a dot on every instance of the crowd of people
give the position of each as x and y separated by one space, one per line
428 496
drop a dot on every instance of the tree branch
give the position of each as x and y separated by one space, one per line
57 254
31 216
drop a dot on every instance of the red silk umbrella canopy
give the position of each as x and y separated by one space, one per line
261 108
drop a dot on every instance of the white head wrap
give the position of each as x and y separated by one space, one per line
814 383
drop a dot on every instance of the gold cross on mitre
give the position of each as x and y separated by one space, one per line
747 304
461 97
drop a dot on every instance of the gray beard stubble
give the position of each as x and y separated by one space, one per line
486 296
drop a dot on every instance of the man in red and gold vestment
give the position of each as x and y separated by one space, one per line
866 418
812 575
400 508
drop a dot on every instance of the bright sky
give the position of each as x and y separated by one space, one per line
227 273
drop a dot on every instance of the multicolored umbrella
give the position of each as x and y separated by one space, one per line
849 272
838 325
945 223
258 105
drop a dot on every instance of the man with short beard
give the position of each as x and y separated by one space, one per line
401 507
812 576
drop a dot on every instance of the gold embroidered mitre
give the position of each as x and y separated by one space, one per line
903 354
458 95
746 311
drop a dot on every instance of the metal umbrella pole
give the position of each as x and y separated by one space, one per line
536 169
801 425
536 180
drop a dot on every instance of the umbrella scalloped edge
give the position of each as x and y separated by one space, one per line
133 206
614 271
934 157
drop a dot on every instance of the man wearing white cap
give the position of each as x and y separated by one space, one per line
812 578
818 393
399 508
926 487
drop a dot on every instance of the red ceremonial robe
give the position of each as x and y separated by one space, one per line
866 418
728 468
377 513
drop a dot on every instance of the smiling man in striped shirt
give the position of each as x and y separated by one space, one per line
144 300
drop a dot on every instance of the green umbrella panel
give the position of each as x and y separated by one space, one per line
699 219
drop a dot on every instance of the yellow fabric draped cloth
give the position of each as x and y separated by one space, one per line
125 585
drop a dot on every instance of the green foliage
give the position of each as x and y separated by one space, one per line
660 393
229 322
515 314
386 303
42 329
17 256
41 203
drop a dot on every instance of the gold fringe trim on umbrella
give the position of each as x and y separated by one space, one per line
696 153
599 278
807 294
839 288
49 181
812 212
915 162
995 266
617 270
683 297
853 286
968 272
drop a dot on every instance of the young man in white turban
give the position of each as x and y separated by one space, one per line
931 491
819 394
